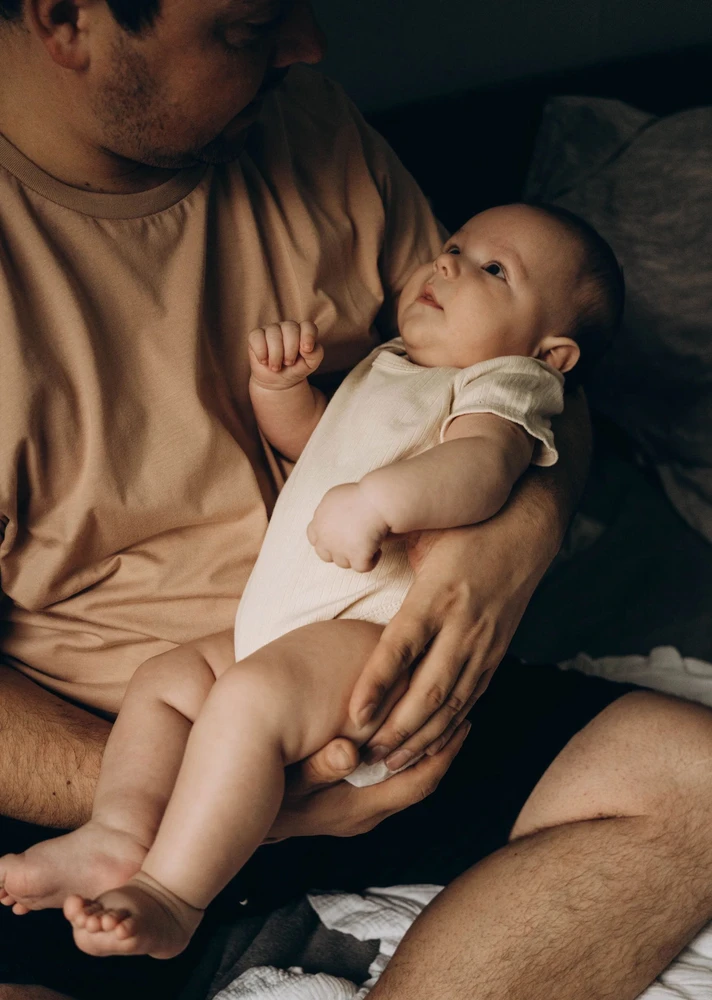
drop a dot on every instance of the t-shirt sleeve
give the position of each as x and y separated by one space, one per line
523 390
412 235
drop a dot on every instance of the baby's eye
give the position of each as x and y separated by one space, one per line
496 269
453 249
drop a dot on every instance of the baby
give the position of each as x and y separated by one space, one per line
431 430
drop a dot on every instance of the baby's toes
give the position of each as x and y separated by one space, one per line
84 914
126 929
94 915
74 909
6 899
111 919
19 909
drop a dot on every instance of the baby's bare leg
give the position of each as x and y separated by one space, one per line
271 709
138 772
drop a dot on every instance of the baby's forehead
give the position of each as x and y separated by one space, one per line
526 230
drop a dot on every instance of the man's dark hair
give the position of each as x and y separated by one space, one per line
133 15
602 297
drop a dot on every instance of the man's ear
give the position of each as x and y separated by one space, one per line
59 25
561 353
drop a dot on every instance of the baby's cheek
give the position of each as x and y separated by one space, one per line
412 287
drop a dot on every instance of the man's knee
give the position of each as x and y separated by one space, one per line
645 755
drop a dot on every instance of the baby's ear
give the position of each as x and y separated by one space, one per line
561 353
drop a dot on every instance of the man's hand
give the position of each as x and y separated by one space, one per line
471 589
284 354
318 802
347 529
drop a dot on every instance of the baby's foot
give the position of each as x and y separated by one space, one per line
90 860
140 918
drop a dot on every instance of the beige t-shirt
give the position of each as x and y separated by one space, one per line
134 489
387 410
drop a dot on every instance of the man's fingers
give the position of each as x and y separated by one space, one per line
434 697
330 764
345 811
417 782
401 642
480 688
438 730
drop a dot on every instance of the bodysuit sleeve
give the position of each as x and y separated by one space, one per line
523 390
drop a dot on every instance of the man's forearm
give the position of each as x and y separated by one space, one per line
556 491
50 754
534 520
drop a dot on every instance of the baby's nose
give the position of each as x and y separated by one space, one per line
445 264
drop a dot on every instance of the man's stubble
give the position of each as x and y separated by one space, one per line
139 124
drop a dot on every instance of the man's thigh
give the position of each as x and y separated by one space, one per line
519 727
527 716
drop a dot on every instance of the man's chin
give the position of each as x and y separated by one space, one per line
221 150
224 148
228 145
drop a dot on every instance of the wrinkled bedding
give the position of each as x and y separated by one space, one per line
380 917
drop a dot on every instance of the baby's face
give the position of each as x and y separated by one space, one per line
503 283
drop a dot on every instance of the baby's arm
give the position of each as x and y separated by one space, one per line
464 480
286 406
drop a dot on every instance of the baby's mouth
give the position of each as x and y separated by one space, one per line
427 297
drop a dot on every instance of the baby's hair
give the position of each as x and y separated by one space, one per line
602 296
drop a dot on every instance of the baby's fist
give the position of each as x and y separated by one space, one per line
284 354
347 529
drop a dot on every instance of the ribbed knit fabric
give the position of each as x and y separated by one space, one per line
386 410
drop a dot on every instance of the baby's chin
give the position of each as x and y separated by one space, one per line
426 357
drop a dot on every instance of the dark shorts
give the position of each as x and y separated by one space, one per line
527 716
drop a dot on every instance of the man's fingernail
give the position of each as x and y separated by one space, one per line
398 759
376 754
366 713
340 758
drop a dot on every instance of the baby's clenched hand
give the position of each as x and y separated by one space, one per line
347 529
284 354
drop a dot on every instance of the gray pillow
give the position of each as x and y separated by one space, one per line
646 184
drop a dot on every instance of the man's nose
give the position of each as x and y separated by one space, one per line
300 39
446 265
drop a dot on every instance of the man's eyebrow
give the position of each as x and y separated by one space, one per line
252 8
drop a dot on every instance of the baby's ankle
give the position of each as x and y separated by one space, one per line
179 906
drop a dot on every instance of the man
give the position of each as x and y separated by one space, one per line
161 197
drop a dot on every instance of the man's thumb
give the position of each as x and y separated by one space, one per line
332 763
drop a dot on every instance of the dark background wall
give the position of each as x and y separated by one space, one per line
390 52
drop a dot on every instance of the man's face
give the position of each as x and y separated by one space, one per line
503 282
185 90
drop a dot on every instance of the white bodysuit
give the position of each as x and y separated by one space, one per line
387 409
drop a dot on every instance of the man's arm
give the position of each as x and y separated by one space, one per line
471 589
50 754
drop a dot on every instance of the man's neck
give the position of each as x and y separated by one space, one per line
44 133
64 157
